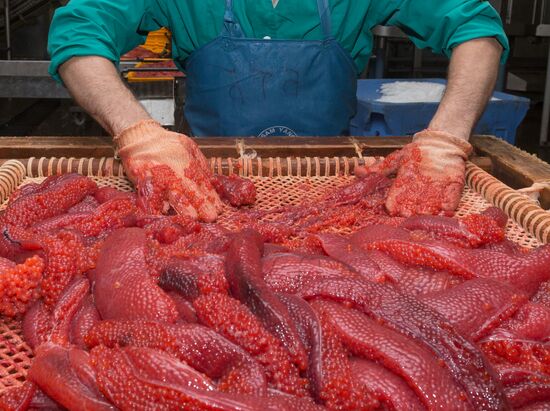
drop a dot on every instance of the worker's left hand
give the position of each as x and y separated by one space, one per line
430 174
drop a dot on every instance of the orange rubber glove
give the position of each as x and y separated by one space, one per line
430 174
168 170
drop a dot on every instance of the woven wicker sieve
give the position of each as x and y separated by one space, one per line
279 181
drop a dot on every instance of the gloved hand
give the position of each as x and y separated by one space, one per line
430 174
168 170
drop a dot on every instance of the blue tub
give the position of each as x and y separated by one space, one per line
501 118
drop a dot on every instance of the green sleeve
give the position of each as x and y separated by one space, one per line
441 25
106 28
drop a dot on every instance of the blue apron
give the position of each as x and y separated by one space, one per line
237 86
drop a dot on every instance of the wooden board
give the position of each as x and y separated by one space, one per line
515 167
25 147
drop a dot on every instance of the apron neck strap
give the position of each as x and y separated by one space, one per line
232 26
324 14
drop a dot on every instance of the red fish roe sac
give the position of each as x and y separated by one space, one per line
236 190
195 276
159 255
355 216
543 295
88 205
533 355
210 239
19 286
139 333
236 323
17 398
485 228
244 275
83 320
470 231
104 194
497 215
408 252
37 324
339 389
168 229
371 340
116 213
67 377
123 284
198 346
67 307
390 389
132 378
53 197
66 257
354 206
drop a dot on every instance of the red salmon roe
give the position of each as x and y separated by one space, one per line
66 257
484 228
19 286
236 323
110 215
339 389
53 197
529 354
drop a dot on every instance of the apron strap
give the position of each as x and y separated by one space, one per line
230 25
324 13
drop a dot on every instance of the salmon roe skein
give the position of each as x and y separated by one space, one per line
110 215
533 355
339 389
66 257
486 228
236 323
53 197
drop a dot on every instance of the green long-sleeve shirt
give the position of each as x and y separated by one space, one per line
110 28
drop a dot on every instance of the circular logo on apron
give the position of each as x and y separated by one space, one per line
278 131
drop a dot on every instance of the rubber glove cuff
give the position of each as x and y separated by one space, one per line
139 132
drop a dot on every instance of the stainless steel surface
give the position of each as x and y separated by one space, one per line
35 88
7 27
36 68
388 31
30 79
543 30
23 68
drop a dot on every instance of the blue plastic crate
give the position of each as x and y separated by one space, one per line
501 118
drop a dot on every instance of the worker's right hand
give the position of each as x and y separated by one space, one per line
168 170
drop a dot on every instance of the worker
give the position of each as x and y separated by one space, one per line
276 67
